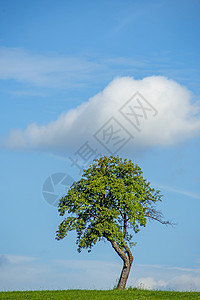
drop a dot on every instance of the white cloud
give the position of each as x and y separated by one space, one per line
171 118
149 283
23 273
39 73
50 71
14 259
178 283
185 283
19 272
178 191
160 277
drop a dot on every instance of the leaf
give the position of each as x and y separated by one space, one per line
112 200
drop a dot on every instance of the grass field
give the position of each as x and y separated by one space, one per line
129 294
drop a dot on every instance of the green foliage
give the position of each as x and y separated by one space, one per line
112 200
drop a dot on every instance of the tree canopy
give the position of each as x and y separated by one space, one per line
111 201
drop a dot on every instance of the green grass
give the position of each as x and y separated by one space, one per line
129 294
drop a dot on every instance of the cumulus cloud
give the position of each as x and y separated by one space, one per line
185 283
179 283
149 283
153 111
162 277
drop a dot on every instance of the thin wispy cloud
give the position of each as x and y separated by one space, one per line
178 191
40 74
131 15
15 259
37 74
56 71
45 70
32 273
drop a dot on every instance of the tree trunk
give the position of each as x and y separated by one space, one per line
127 258
124 275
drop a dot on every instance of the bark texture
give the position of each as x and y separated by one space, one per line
127 260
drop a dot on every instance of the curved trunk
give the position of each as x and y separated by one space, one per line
127 259
124 275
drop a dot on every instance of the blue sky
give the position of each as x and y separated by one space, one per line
67 69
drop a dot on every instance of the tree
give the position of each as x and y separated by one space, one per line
111 201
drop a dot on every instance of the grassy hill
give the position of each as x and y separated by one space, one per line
129 294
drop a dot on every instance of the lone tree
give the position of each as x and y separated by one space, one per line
111 201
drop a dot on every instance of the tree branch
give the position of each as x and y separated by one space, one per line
128 251
125 224
157 216
117 249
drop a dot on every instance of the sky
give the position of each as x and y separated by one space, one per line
82 79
